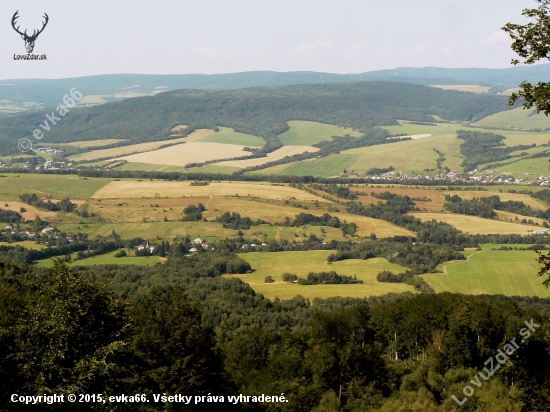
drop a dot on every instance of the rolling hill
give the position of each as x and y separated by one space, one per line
262 111
49 92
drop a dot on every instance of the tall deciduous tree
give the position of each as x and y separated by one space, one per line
532 43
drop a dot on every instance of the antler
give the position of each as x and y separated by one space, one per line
13 21
34 34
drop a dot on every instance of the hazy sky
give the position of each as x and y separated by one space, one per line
215 36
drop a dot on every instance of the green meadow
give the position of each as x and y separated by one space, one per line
330 166
58 186
152 230
230 136
302 133
517 118
497 272
106 259
301 263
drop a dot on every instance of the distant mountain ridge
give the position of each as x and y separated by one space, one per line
50 92
260 111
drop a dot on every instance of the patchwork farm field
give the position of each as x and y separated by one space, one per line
537 167
122 150
134 189
301 263
511 273
92 143
274 213
271 157
192 152
58 186
438 129
411 156
517 118
230 136
330 166
476 225
472 88
302 133
106 259
152 230
504 196
30 213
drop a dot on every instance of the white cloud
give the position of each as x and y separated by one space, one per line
497 37
355 50
310 47
214 53
258 51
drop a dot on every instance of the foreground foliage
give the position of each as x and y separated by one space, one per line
64 332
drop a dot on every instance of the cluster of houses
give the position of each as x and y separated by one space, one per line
30 235
198 242
147 246
473 176
49 150
51 165
26 234
253 245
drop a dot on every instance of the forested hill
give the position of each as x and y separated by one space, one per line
260 111
50 91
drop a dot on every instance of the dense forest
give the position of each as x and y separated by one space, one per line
485 206
259 111
205 336
482 148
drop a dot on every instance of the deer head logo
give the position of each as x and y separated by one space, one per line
29 40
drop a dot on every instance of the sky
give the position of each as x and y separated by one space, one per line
213 36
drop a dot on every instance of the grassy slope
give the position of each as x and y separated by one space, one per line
410 156
537 166
92 143
476 225
230 136
302 133
492 272
59 186
329 166
107 259
504 196
517 118
150 230
301 263
28 244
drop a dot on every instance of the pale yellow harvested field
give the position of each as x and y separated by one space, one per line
478 226
412 137
472 88
138 148
519 197
148 189
198 134
193 152
180 127
273 213
124 150
94 99
271 157
31 212
366 226
93 143
511 217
